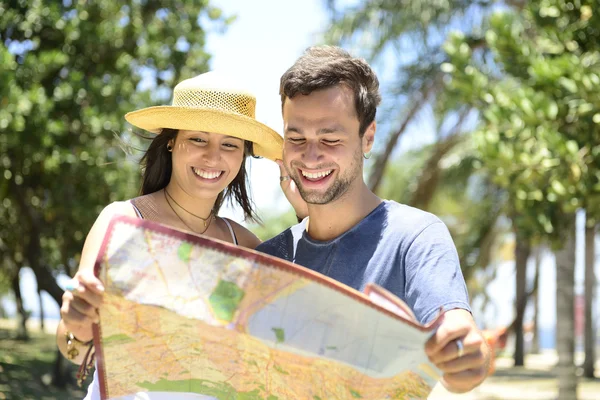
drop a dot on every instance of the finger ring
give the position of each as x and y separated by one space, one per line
284 178
461 348
72 285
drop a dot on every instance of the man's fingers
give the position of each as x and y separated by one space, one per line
281 167
470 361
452 327
463 381
471 344
282 171
443 337
284 178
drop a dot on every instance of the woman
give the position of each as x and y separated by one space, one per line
194 164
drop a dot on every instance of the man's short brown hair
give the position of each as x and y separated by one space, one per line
322 67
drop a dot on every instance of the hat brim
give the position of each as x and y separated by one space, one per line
267 142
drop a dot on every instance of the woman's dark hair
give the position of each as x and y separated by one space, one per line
157 168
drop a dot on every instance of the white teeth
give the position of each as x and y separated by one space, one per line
316 175
206 175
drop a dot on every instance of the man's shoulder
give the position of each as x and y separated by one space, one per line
278 245
409 227
405 218
281 237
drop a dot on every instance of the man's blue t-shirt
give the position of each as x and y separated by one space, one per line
403 249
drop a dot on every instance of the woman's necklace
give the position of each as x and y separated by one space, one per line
206 220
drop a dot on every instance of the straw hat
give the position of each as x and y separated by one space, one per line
210 102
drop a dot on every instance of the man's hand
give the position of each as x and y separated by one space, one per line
460 351
288 186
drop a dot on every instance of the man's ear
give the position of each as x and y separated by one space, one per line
369 137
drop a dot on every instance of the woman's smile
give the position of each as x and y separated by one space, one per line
208 175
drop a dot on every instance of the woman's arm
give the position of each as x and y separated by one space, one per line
80 305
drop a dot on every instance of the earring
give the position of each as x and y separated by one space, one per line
169 148
367 155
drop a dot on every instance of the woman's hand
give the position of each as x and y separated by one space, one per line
291 192
80 305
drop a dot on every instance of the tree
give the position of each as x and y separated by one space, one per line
590 286
565 327
405 40
522 252
538 135
71 70
414 33
535 345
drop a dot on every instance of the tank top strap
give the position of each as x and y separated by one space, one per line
137 210
145 207
233 237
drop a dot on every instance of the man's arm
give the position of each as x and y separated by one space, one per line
462 372
434 281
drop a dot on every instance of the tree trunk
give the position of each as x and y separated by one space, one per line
590 285
382 159
535 344
22 333
41 309
565 323
34 248
47 282
431 172
522 251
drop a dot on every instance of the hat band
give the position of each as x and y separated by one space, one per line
231 102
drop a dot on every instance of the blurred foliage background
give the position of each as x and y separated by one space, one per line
511 90
70 71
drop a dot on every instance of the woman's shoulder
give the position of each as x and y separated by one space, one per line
96 234
244 236
149 206
118 208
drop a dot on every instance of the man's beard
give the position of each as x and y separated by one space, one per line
337 189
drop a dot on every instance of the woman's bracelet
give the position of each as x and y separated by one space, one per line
72 343
72 352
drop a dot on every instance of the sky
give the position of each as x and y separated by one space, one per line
266 38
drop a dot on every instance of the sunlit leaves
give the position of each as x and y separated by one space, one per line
539 136
70 71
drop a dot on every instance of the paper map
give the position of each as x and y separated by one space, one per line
188 317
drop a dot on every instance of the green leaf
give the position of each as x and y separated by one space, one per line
558 187
551 11
552 110
568 84
572 146
447 68
71 73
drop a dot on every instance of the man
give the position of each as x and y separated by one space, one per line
329 101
